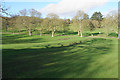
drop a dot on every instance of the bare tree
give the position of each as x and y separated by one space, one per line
34 13
38 14
3 8
23 12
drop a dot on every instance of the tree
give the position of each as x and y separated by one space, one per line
38 14
53 22
3 9
34 13
5 23
110 22
20 23
35 18
75 25
98 17
23 20
91 26
95 23
67 21
40 25
23 12
13 26
63 25
80 21
30 23
106 25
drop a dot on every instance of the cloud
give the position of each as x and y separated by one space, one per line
70 7
110 11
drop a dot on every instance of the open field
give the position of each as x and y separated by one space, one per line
60 39
59 57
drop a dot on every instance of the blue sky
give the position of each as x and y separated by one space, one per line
62 8
106 8
15 7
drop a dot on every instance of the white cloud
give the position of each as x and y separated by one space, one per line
70 7
114 0
110 11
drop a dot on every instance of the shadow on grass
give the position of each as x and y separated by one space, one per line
13 39
53 62
95 34
61 33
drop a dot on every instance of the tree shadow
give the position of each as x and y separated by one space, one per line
70 61
66 33
13 39
95 34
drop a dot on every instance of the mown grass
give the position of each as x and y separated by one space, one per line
59 57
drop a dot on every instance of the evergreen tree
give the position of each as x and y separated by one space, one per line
98 17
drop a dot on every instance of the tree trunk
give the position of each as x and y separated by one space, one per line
19 31
30 32
92 35
78 33
107 33
99 24
13 32
40 33
81 34
52 33
81 30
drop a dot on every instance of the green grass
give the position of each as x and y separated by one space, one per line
59 57
86 33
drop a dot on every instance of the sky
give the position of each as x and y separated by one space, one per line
63 8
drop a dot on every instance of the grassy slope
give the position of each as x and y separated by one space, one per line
35 56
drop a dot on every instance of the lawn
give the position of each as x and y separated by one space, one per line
59 57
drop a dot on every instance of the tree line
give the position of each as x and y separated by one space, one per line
31 20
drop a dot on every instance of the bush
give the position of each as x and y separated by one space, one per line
113 35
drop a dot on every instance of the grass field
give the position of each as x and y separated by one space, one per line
59 57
